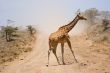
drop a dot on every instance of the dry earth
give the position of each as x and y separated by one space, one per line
92 58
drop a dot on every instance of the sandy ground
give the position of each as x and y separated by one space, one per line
91 59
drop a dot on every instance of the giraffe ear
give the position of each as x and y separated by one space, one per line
78 12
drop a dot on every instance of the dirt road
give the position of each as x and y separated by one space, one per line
90 61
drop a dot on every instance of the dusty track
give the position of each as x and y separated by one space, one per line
35 62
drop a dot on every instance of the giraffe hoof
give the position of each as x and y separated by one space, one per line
47 65
64 63
59 64
76 61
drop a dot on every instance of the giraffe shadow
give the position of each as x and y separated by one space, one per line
64 64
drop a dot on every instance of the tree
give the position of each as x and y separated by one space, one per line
91 14
105 14
105 23
31 29
9 30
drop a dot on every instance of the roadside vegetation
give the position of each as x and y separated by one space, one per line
98 23
14 42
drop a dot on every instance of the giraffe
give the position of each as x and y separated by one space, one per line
61 36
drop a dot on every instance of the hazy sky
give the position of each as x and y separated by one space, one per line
46 13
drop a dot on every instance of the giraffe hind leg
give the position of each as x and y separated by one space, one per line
54 52
62 50
48 56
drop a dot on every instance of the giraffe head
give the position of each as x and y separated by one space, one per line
81 17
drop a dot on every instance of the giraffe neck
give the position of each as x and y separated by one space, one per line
67 28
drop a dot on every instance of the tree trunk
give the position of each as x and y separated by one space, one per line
7 37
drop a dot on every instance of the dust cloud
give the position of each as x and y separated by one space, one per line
47 29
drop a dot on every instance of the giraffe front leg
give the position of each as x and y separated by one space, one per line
69 44
62 50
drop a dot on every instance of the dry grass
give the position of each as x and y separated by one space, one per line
11 50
